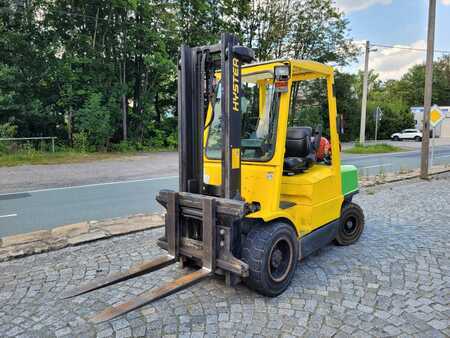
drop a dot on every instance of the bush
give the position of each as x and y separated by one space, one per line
94 119
7 130
163 135
172 140
80 142
158 139
125 147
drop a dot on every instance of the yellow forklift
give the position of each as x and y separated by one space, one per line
254 196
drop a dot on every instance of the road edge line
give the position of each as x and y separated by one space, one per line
159 178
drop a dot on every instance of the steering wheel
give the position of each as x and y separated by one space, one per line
317 137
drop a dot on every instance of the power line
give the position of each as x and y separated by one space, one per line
382 45
410 48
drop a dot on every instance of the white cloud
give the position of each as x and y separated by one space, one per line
348 6
392 63
446 2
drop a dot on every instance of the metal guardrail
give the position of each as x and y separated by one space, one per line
32 138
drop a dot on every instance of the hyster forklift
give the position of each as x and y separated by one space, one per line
254 198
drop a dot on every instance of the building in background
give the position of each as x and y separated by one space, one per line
443 130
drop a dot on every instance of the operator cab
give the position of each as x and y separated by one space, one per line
260 99
285 105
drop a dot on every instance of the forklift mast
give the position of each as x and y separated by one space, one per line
196 90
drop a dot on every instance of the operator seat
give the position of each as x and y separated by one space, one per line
299 154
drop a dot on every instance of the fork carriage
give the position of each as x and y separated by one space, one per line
199 228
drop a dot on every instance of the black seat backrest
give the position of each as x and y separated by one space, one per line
298 142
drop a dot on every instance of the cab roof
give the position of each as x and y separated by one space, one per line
299 67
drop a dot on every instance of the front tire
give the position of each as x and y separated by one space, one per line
271 251
417 139
351 224
396 138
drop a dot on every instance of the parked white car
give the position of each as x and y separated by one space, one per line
407 134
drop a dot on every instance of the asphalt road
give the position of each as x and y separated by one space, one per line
46 208
370 165
32 210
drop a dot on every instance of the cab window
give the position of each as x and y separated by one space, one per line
309 108
309 105
259 107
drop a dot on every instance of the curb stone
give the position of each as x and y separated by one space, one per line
370 181
40 241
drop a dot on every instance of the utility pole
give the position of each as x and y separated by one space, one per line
362 129
428 91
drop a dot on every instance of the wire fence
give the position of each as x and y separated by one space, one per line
13 139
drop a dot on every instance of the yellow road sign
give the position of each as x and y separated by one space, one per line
436 116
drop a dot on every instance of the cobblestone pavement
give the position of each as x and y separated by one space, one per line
394 282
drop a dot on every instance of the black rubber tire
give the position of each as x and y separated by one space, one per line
417 139
396 138
260 253
351 224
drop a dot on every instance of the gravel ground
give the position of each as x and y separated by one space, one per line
22 178
394 282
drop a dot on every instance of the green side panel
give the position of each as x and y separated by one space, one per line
349 177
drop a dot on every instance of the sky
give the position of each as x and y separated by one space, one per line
395 22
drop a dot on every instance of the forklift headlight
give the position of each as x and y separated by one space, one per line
281 78
282 73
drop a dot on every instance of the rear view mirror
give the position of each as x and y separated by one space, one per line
245 54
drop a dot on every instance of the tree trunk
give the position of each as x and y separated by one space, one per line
95 29
124 116
124 81
69 127
123 97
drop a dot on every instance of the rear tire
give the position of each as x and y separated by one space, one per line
351 224
271 252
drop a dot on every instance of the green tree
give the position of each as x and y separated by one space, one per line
348 104
396 116
373 82
93 119
26 70
411 86
303 29
56 54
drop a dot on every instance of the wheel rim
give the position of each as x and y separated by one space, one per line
350 226
280 259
